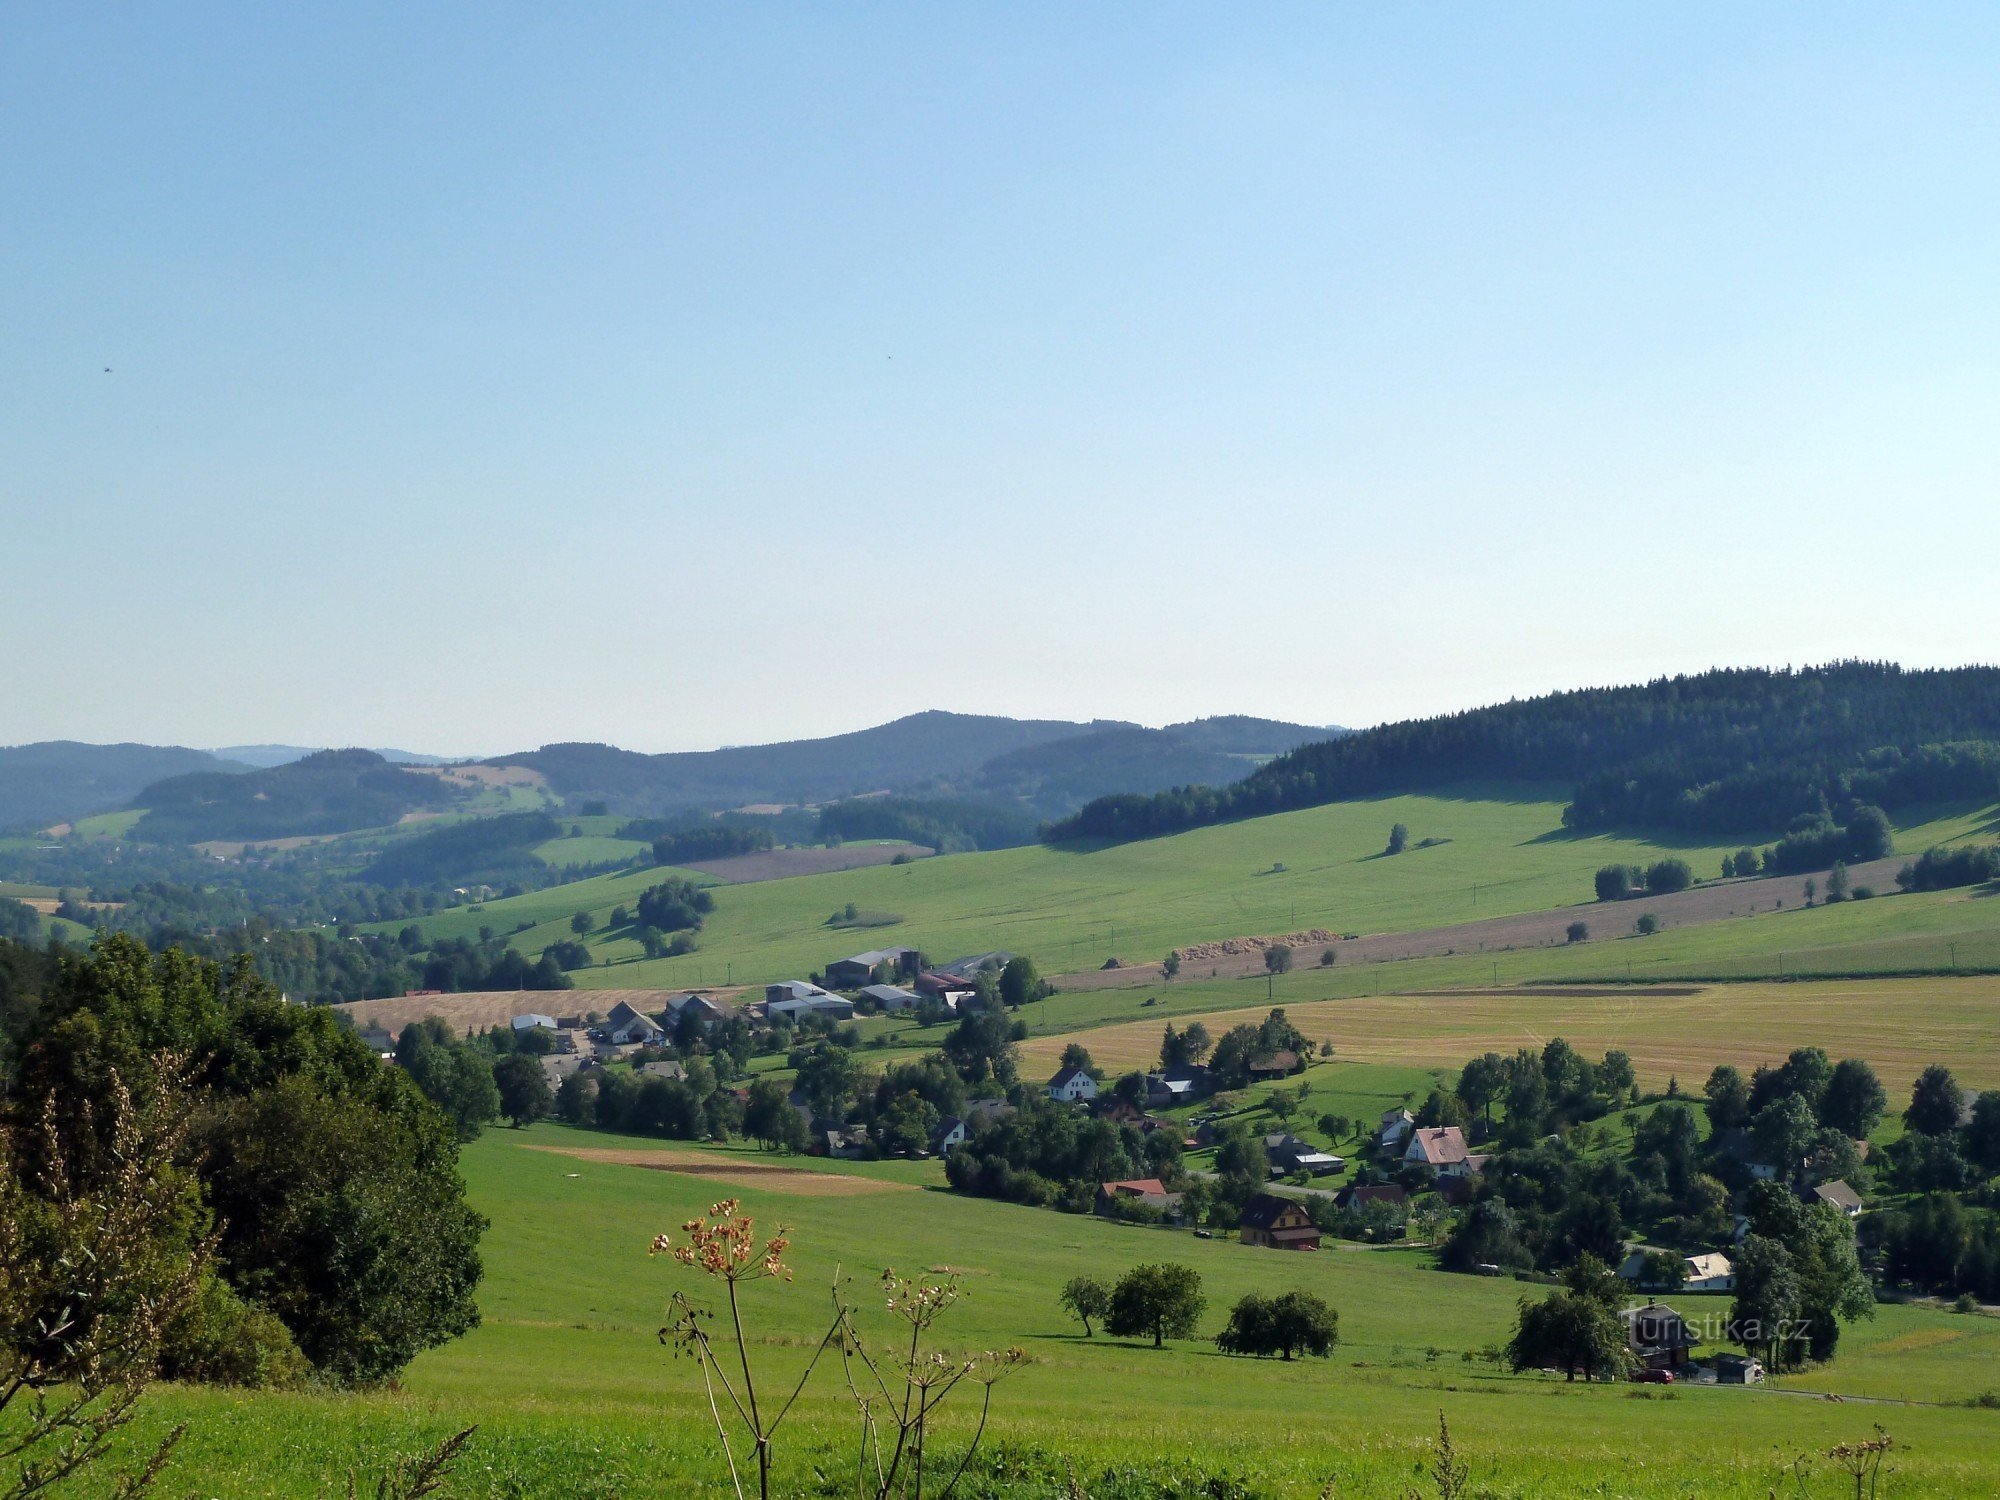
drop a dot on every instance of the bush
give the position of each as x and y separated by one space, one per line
1578 932
1647 925
222 1340
1616 882
1666 876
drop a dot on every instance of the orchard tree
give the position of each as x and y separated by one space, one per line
1164 1300
1278 958
1291 1322
1085 1298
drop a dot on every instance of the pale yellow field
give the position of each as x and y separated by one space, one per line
1899 1025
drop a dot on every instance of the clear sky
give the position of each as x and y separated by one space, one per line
481 375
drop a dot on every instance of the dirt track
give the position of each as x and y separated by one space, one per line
1715 902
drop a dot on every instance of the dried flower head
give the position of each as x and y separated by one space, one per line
725 1244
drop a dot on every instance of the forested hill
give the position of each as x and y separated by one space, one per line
1043 766
333 791
55 780
1733 752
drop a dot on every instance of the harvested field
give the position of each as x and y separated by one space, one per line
1899 1025
1234 958
737 1171
482 1010
782 864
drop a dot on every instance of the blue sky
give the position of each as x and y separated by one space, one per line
487 375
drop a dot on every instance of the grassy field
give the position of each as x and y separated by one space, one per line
1071 909
574 1396
1899 1026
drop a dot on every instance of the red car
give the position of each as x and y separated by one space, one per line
1652 1377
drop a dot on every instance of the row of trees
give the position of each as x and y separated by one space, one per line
1163 1301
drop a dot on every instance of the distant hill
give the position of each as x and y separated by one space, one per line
266 756
330 791
58 780
919 748
1056 778
1043 767
1735 752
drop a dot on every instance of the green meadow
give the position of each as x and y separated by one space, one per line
573 1394
1505 851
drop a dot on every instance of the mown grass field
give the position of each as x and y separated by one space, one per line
574 1396
1072 909
1899 1025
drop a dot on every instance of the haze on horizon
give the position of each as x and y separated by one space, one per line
467 378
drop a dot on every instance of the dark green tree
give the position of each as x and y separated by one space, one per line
1285 1324
1935 1102
1161 1300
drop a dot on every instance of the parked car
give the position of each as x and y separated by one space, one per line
1652 1377
1204 1234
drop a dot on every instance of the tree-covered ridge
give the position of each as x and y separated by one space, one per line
1724 751
335 791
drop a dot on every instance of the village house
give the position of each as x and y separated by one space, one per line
1394 1133
627 1026
1658 1337
533 1021
1177 1086
1709 1272
378 1040
1287 1153
558 1066
1270 1066
705 1010
1442 1149
1276 1223
842 1142
1147 1191
951 1131
981 1114
672 1071
1072 1086
1839 1194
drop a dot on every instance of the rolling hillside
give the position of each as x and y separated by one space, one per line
1046 766
63 780
1507 851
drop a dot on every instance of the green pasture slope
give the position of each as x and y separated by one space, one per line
1073 908
574 1396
